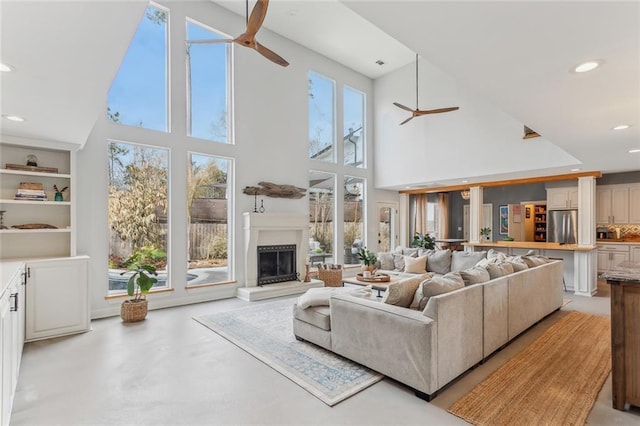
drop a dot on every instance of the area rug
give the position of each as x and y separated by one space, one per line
553 381
265 331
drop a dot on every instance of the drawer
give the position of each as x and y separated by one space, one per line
614 247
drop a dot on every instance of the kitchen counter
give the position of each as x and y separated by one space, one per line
624 272
531 245
633 242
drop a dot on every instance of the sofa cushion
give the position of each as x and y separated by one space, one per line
401 293
518 263
320 296
437 284
494 254
315 315
385 261
398 260
415 265
500 269
410 251
532 261
475 275
461 260
439 262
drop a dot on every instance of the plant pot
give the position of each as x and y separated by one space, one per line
133 310
369 268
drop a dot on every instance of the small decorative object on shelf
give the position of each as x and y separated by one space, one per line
32 160
34 226
59 196
485 232
30 191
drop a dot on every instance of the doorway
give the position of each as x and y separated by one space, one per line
387 218
487 221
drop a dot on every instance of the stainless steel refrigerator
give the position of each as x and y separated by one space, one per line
562 226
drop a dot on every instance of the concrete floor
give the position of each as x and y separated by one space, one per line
171 370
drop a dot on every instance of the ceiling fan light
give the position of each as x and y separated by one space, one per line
621 127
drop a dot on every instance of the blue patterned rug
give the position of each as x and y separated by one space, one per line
265 330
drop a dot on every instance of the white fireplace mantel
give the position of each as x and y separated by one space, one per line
272 229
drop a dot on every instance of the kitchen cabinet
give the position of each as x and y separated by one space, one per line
57 297
562 198
634 203
635 254
610 255
55 167
612 204
12 320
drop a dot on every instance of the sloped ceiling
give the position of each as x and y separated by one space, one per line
64 55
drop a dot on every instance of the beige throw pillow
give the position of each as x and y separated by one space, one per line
439 262
415 265
497 270
385 261
434 286
401 293
532 261
475 275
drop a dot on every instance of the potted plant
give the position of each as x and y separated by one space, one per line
425 241
485 232
139 284
368 258
59 193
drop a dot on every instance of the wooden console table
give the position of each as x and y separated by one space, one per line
625 333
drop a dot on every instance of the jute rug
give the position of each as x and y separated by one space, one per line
265 331
554 381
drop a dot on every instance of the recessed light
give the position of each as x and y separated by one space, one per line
587 66
621 127
13 117
575 170
633 151
5 67
465 181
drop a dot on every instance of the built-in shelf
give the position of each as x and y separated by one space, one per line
42 203
34 231
35 174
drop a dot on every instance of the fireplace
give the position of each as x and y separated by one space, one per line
276 263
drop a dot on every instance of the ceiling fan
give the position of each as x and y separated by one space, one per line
248 37
418 112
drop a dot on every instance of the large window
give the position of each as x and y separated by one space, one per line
322 213
354 218
322 128
353 127
208 222
138 94
207 84
137 211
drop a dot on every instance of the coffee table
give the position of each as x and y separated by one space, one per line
378 286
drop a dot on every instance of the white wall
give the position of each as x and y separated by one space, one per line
477 140
271 128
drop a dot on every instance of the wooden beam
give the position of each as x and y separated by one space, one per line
506 182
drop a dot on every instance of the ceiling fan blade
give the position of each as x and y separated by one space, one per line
403 107
211 41
271 55
407 120
436 111
257 17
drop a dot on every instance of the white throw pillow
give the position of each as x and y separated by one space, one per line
415 265
401 293
320 296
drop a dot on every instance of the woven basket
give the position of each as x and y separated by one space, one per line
131 311
331 277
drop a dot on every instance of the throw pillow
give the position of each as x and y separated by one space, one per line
439 262
532 261
475 275
497 270
410 251
320 296
401 293
461 260
518 263
493 254
398 261
436 285
385 261
415 265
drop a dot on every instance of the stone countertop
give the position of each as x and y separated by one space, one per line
531 245
624 272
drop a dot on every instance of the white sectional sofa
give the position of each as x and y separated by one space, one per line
427 349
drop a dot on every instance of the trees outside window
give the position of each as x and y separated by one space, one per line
322 128
322 211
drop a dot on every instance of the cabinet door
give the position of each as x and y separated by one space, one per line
603 261
603 205
6 362
557 198
620 205
635 254
634 204
572 197
57 297
618 258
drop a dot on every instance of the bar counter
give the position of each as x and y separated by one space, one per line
625 333
531 245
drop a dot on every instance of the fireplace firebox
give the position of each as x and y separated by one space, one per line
276 263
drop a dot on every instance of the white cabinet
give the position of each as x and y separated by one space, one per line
634 203
635 253
562 198
612 204
51 232
57 297
11 340
610 255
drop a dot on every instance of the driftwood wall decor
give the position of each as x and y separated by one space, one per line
275 190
